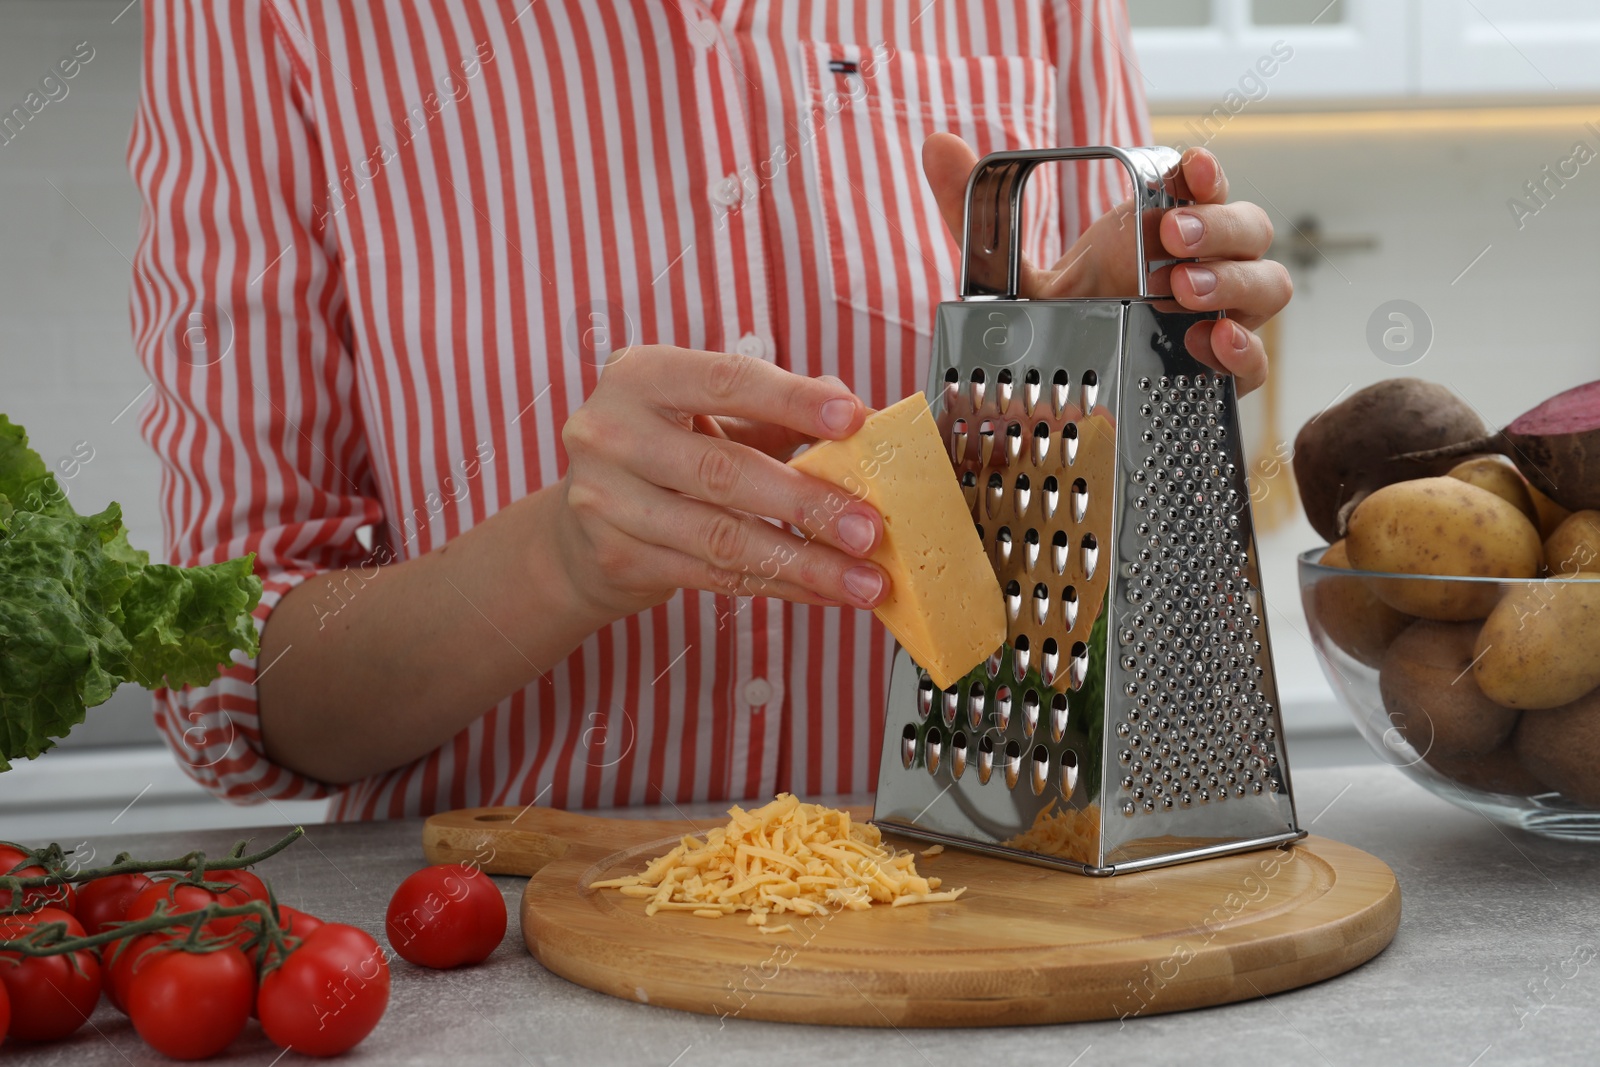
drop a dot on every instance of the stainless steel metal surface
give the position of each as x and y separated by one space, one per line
1132 713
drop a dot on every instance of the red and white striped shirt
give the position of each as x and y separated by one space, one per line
386 248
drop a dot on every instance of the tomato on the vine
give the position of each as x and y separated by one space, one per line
122 959
296 922
328 994
191 1005
105 901
250 887
181 896
14 861
50 996
291 921
446 915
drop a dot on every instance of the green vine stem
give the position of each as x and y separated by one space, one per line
51 939
196 863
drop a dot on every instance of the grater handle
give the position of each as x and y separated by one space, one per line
990 242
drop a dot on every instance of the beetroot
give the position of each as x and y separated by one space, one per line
1556 446
1354 447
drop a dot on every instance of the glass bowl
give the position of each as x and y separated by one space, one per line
1412 685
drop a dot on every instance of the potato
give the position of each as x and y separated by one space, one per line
1500 771
1562 748
1498 475
1441 526
1348 612
1574 545
1551 514
1540 646
1431 697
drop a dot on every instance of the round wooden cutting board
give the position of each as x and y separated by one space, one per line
1023 945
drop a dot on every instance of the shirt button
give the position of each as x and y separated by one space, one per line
710 32
752 346
726 191
757 691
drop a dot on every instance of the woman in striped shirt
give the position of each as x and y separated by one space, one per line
510 313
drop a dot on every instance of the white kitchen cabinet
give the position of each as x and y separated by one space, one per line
1234 54
1214 54
1508 46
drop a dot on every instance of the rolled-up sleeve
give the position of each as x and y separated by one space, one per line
239 318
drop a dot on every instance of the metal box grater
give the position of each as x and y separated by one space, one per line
1131 718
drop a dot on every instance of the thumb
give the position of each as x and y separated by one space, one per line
948 163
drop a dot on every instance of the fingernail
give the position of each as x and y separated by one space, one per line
1201 279
1190 228
865 584
838 414
1241 338
856 533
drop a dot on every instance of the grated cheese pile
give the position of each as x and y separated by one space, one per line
783 857
1072 833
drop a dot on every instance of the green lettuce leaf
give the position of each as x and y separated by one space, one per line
82 610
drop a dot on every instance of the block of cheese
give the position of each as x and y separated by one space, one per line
944 603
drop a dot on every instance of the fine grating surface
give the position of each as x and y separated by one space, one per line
1195 727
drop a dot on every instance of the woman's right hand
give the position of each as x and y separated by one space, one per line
675 460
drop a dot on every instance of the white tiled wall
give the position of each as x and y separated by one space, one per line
1516 327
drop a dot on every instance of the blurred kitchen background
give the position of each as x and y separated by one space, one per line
1390 144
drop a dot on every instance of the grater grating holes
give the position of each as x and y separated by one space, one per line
1193 643
1012 764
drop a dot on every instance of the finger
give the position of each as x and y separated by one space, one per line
683 383
1224 345
1200 178
1220 231
736 542
670 568
732 583
733 476
779 442
1251 292
947 161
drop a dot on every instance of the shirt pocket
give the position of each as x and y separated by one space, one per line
869 109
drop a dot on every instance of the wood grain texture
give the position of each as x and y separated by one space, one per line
1023 945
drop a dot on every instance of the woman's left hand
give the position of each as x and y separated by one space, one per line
1228 239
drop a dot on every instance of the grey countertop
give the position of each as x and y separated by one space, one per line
1495 963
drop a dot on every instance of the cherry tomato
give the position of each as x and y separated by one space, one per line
297 922
62 896
252 887
291 921
105 901
328 994
191 1005
122 959
446 916
183 896
50 996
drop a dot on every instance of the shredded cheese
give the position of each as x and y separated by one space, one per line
1072 833
932 851
782 858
